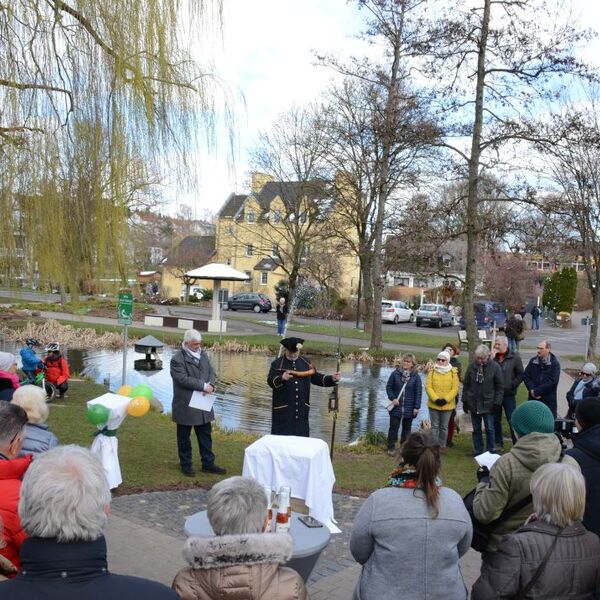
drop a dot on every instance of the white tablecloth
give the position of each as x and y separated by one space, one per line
300 462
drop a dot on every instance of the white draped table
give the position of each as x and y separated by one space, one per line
300 462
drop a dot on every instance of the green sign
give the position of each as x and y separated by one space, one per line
125 309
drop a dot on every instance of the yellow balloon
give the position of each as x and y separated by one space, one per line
124 390
138 406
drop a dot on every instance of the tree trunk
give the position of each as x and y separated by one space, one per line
367 288
473 189
594 327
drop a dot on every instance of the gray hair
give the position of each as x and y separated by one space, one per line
237 505
483 351
32 399
558 491
547 344
192 335
502 339
65 495
12 421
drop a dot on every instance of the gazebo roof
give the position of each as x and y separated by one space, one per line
216 271
149 342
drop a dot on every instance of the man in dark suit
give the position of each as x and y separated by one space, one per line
290 378
191 371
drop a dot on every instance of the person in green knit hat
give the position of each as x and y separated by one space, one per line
507 484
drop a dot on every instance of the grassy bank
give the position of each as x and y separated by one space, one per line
148 452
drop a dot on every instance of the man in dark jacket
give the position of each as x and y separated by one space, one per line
541 376
482 395
290 377
586 451
64 506
512 372
191 372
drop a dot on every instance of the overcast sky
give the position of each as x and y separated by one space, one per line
267 57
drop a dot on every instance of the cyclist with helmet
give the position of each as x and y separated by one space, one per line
30 361
57 368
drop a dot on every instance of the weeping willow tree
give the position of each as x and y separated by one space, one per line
99 99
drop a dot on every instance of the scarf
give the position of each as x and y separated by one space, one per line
13 377
195 355
405 476
479 374
443 369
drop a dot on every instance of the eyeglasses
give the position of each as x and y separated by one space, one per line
585 374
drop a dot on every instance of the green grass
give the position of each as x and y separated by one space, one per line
148 451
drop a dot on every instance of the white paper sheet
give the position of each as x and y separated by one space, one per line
487 459
202 401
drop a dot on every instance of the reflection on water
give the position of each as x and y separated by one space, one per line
243 396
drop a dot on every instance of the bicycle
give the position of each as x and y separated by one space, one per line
49 388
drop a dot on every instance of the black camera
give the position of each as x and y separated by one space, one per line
565 427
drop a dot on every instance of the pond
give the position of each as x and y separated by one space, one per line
243 396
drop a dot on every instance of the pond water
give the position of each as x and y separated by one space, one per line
243 396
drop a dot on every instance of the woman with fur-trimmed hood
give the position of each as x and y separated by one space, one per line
241 562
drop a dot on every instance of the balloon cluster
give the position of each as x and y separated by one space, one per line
140 398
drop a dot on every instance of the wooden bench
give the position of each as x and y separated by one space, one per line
463 342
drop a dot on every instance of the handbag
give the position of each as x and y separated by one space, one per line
522 593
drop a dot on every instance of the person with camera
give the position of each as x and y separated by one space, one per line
585 385
442 389
586 451
483 392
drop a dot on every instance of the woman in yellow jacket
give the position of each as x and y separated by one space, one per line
442 389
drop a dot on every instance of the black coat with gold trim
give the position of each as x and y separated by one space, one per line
291 398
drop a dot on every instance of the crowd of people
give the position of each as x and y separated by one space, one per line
537 508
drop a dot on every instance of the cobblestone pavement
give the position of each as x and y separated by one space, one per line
167 512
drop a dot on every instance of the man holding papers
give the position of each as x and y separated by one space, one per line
194 382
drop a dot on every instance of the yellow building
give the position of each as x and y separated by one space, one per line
279 224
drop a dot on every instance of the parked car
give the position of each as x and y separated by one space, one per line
196 291
486 313
395 311
249 301
435 315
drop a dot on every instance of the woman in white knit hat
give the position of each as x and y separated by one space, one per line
587 384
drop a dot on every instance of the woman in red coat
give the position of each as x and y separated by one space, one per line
57 368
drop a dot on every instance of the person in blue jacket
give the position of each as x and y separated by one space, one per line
404 390
541 376
31 362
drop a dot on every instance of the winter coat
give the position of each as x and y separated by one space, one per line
457 365
542 378
281 311
411 398
57 370
509 482
291 398
482 398
30 361
442 385
586 451
514 329
590 389
572 571
74 571
38 439
239 567
404 551
11 473
512 372
190 374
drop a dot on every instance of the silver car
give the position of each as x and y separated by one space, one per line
395 311
434 315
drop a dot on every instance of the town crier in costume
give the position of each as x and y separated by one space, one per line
290 378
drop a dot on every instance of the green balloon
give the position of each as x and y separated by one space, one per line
98 414
142 390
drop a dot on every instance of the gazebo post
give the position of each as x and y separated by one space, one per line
215 323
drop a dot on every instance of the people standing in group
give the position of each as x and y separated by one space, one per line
552 555
31 363
585 385
404 391
506 485
290 378
514 331
511 365
454 351
535 317
409 536
57 369
191 372
281 312
9 380
483 392
541 376
442 387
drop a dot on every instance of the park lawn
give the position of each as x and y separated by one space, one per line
148 452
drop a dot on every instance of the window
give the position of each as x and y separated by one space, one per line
251 216
230 230
275 250
249 280
276 216
249 249
302 217
264 276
